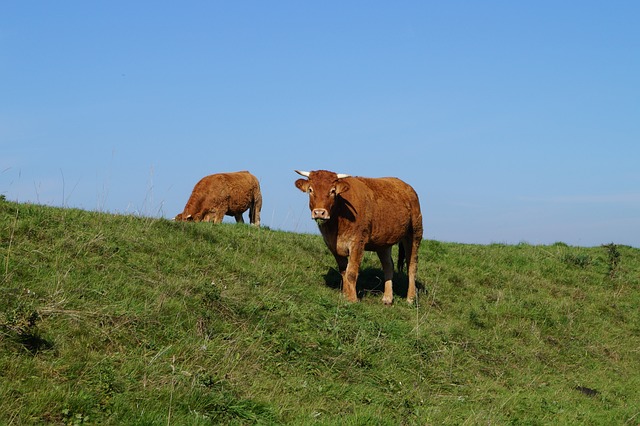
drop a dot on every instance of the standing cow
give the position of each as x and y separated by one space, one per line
221 194
355 214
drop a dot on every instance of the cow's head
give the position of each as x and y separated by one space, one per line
323 187
182 217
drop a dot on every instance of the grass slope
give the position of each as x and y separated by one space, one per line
127 320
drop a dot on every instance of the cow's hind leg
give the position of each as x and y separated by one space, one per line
387 267
239 218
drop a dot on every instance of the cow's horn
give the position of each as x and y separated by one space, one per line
301 173
342 176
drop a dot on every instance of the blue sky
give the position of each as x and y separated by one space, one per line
514 121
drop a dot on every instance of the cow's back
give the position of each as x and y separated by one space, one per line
231 192
388 207
209 191
242 187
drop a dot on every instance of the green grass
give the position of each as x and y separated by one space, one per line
128 320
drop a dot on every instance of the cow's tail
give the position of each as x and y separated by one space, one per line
401 256
411 242
254 209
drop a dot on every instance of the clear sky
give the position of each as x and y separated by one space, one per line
514 121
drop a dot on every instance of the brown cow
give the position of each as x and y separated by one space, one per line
221 194
355 214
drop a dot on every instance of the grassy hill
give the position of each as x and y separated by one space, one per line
127 320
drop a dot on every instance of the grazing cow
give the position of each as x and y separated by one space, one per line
355 214
221 194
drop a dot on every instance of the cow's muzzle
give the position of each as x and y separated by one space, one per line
320 214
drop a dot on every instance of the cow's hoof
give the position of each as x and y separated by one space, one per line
387 302
411 302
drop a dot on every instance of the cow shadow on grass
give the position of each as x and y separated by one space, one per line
371 282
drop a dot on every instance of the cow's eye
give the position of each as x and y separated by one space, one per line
310 190
332 192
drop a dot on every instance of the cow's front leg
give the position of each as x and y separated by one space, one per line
217 216
350 276
387 267
342 261
239 218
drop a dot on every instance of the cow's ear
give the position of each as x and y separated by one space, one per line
341 187
302 185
